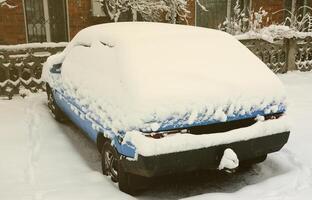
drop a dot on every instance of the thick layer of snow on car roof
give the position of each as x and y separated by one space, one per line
133 73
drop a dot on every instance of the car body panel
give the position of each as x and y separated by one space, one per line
205 158
81 117
180 124
88 125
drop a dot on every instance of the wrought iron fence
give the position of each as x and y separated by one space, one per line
283 55
21 67
274 55
303 59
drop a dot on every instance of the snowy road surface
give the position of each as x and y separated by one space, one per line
41 159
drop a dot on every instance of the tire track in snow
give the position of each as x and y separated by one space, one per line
298 178
303 172
33 145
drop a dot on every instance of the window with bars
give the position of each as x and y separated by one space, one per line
46 20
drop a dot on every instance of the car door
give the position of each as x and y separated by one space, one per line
65 99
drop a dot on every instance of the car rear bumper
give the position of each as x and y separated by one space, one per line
206 158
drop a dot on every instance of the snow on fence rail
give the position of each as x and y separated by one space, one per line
21 65
283 55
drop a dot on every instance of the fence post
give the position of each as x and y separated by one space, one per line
291 51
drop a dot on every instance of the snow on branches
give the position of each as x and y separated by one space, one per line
5 3
244 20
300 19
147 10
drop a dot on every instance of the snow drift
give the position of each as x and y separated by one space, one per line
142 75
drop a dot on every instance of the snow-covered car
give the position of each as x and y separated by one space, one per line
159 99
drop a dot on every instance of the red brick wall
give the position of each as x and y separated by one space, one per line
270 6
12 24
80 16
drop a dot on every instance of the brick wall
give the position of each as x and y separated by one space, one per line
80 16
12 24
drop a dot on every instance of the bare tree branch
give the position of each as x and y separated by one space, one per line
5 3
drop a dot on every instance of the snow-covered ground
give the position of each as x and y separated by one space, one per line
41 159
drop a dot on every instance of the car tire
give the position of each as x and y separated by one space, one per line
110 160
112 167
56 112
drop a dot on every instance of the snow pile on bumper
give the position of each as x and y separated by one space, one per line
229 160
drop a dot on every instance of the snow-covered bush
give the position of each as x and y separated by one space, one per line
2 2
5 3
273 32
147 10
236 24
252 25
257 18
298 21
297 25
242 22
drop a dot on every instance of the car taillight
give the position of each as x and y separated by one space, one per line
162 134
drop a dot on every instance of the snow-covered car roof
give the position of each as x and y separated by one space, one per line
153 71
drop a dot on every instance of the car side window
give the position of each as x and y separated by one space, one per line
56 69
83 63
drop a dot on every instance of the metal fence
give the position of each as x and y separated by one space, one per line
303 51
21 65
283 55
274 55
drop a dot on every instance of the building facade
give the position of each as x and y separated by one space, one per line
25 21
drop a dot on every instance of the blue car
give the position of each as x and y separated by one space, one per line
159 99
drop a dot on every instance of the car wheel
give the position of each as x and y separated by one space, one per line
110 160
53 107
111 167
